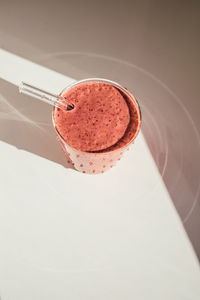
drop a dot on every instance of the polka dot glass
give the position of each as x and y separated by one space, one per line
96 162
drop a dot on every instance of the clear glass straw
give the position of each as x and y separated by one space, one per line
45 96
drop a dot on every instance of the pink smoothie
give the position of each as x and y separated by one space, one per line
132 128
99 119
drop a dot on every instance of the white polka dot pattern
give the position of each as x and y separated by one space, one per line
91 163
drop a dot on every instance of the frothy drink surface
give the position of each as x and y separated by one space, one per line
103 118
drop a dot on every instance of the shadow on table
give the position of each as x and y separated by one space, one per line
168 129
26 124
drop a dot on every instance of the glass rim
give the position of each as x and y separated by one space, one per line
130 95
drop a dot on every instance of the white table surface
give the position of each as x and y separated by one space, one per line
67 235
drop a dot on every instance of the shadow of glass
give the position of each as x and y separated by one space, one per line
170 133
26 124
169 130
